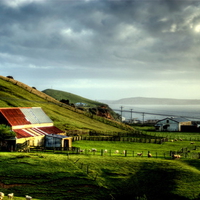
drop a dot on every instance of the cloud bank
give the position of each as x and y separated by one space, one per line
103 49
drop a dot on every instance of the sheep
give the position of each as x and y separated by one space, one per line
116 151
28 197
10 196
172 140
139 154
81 150
149 155
191 142
1 195
181 139
176 156
105 151
94 150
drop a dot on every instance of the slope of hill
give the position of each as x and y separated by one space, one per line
59 95
153 101
94 107
16 94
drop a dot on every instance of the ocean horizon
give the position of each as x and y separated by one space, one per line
157 112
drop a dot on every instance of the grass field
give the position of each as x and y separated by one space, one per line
78 176
94 176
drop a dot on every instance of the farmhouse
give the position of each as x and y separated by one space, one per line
171 124
32 126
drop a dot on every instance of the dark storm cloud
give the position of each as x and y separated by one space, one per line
101 39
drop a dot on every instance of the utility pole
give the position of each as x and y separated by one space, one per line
121 113
131 116
143 117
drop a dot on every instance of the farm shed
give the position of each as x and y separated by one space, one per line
53 140
30 124
171 124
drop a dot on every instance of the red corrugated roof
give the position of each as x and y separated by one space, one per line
51 130
14 116
37 131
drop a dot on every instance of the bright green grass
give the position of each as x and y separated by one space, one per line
150 130
56 176
157 150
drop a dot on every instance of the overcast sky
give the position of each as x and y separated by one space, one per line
103 49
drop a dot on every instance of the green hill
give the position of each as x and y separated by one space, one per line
59 95
16 94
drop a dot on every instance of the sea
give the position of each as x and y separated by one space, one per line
156 112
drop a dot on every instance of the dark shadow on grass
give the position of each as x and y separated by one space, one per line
148 184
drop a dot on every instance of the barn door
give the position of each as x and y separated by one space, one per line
66 143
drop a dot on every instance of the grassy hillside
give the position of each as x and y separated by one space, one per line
97 177
59 95
73 99
16 94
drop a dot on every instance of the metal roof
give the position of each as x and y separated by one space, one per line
23 116
35 115
176 119
14 116
38 131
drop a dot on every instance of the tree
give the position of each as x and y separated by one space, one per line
6 132
6 138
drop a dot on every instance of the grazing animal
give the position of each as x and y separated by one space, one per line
28 197
116 151
176 156
105 151
94 150
181 139
191 142
139 154
149 155
10 196
81 150
172 140
1 195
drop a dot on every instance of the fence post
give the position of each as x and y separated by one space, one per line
125 153
87 169
101 152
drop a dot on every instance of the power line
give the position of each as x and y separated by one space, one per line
160 114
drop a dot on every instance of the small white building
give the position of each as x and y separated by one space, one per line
171 124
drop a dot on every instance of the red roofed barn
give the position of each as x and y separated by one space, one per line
32 124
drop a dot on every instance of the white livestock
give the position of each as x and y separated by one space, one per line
81 150
176 156
117 151
139 154
10 196
1 195
149 155
28 197
94 150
